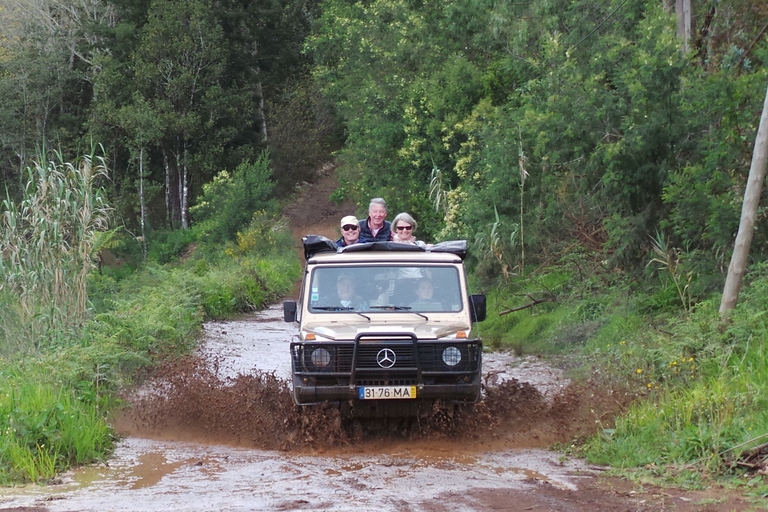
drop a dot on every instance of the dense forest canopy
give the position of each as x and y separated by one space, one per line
513 124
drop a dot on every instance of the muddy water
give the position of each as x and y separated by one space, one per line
219 432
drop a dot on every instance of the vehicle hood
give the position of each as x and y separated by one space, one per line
347 331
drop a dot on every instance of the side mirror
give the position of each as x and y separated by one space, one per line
289 310
477 307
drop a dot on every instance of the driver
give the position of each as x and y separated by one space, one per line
347 295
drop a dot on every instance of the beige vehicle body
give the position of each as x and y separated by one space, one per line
385 329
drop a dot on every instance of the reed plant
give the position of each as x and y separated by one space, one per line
47 245
63 362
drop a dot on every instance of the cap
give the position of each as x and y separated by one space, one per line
349 220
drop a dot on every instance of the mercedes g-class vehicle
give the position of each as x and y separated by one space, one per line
385 329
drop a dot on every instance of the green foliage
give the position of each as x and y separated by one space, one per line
229 201
303 133
55 400
41 91
708 384
175 89
46 428
498 248
705 193
48 244
616 133
169 245
669 260
544 328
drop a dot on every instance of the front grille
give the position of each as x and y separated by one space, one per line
367 356
405 367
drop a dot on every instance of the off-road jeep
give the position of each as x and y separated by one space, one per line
385 329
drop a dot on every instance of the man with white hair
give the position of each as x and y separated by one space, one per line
376 228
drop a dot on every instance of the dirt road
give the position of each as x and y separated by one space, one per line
172 470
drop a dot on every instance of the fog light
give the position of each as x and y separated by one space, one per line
321 357
451 356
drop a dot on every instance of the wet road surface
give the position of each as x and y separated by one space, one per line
502 471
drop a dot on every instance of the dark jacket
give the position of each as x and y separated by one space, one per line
341 243
383 235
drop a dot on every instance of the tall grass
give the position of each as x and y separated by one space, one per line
45 428
61 363
707 382
47 244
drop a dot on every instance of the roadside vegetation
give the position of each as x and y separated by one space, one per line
698 380
72 334
596 168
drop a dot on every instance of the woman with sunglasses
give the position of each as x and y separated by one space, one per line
403 228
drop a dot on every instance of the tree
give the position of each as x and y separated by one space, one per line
180 69
142 125
43 85
749 209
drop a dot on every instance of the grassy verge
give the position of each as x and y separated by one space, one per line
701 382
57 397
707 383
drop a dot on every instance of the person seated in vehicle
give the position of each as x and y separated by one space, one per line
376 228
346 294
350 232
383 287
425 300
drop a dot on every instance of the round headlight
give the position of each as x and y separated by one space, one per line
451 356
320 357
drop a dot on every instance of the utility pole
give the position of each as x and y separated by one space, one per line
748 213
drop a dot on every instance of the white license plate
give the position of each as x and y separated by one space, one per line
386 392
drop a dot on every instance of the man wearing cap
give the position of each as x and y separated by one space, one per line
350 232
347 297
376 228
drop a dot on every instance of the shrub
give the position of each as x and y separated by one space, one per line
228 201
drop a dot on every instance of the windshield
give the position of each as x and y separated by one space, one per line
385 288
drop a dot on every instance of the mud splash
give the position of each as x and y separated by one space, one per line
188 401
235 392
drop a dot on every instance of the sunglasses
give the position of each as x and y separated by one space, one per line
407 228
350 228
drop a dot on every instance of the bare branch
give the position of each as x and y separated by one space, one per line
534 301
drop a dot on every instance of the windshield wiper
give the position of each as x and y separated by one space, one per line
333 308
400 308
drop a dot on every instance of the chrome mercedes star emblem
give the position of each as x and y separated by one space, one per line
386 358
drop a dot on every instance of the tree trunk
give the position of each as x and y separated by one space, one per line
262 113
168 216
179 184
185 191
748 213
142 204
683 9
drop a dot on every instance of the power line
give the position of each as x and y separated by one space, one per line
601 24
